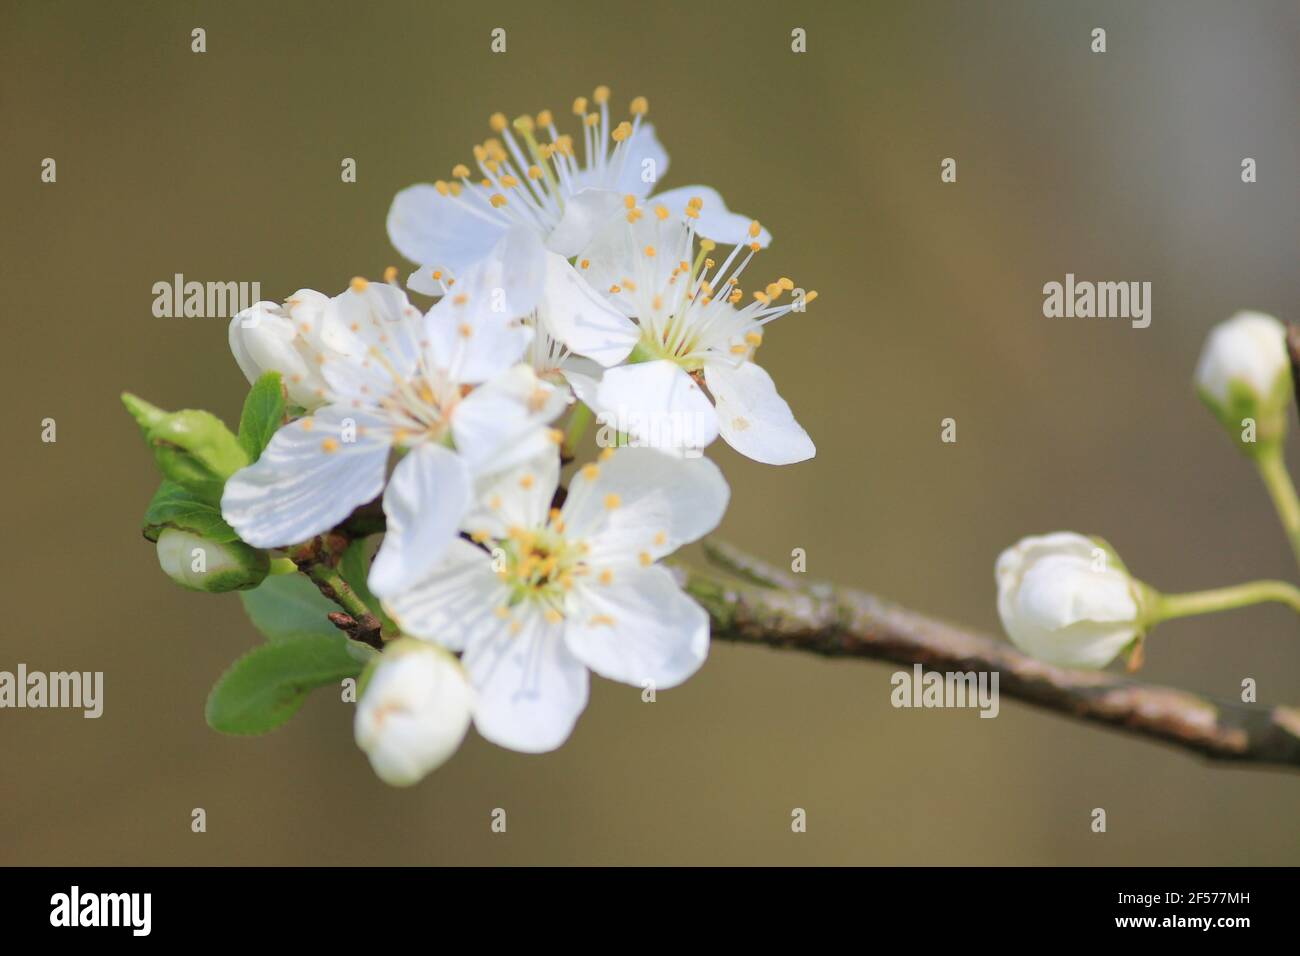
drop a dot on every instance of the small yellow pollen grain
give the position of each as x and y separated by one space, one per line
479 536
329 446
645 559
739 349
359 284
601 619
497 121
544 118
650 251
497 200
460 299
606 576
460 171
695 202
661 211
527 481
810 296
754 229
556 436
612 501
661 538
443 188
586 263
755 339
590 472
606 454
621 132
307 424
465 330
390 274
592 119
534 172
580 106
629 201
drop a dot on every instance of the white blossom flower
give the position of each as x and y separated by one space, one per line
270 338
559 199
1244 374
414 712
1067 600
452 398
691 333
548 593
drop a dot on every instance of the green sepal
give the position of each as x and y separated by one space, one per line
174 506
262 415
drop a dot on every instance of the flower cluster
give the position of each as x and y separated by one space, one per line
565 285
1068 600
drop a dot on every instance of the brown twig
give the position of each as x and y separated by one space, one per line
839 622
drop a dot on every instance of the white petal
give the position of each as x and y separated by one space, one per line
659 503
753 418
715 221
516 497
583 376
658 634
454 603
642 147
426 500
300 487
504 421
659 405
577 316
439 232
585 214
530 687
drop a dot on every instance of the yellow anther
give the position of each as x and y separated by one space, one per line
580 106
650 251
810 296
645 559
515 627
739 349
544 118
606 454
633 215
460 299
629 201
307 424
756 246
615 289
612 501
755 339
695 202
524 124
465 330
785 283
555 435
358 284
390 274
592 119
497 200
443 188
590 472
600 95
773 290
606 576
709 264
509 182
456 188
527 481
601 619
586 263
400 435
691 212
459 171
329 446
661 211
497 121
658 302
754 229
534 172
621 132
554 515
762 297
640 106
480 536
661 538
553 616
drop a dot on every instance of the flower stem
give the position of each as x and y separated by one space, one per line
1169 606
577 427
283 566
1272 468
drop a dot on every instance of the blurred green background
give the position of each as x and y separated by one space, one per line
225 166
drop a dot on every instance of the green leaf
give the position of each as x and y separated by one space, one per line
196 450
288 606
262 415
355 569
175 507
266 686
145 415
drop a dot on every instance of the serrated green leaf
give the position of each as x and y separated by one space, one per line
355 569
263 412
173 506
266 686
288 606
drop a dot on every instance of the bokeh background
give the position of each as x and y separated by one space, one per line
225 166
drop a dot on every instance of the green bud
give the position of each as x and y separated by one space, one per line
201 564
